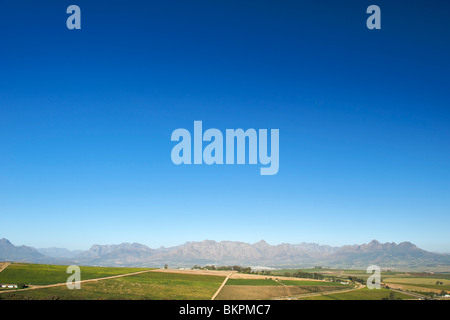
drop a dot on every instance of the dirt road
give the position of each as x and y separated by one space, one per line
4 265
221 286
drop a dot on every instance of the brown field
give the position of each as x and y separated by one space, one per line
254 292
408 287
268 292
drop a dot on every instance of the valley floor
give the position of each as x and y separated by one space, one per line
49 282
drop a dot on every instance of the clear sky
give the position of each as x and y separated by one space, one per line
86 118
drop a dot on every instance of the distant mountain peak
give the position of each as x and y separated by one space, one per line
407 244
9 251
212 242
233 253
5 241
261 243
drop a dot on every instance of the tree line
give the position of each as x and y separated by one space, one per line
225 268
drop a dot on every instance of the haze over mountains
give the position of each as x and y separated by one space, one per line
405 255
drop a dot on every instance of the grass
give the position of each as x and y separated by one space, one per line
42 274
150 285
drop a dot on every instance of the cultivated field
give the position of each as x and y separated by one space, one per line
265 292
361 294
256 287
423 283
147 285
252 282
419 284
44 274
100 283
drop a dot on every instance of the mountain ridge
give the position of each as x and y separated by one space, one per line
389 254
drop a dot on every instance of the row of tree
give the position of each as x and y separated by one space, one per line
356 279
307 275
298 274
225 268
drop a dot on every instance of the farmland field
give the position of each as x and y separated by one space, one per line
252 292
273 288
150 285
49 282
360 294
423 284
252 282
43 274
249 292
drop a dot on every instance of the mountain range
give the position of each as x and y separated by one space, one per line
209 252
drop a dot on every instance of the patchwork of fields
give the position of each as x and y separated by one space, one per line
423 284
143 284
44 274
417 284
99 283
274 288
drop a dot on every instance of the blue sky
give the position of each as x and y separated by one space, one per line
86 118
